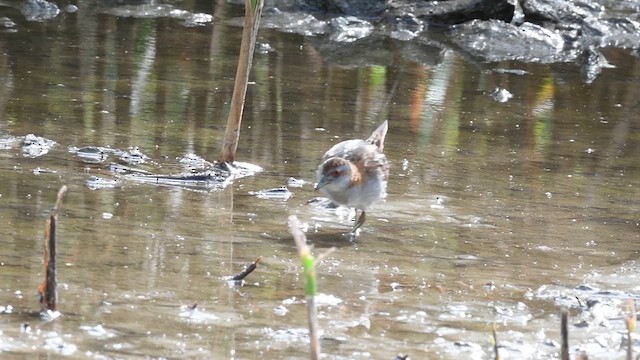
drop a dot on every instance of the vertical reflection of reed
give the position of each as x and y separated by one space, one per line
6 86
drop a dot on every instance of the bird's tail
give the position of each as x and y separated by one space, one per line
377 138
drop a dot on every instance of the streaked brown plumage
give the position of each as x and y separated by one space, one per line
354 173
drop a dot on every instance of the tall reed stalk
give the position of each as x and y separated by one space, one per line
252 13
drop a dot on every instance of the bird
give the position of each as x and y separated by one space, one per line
354 173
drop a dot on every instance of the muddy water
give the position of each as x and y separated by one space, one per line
497 212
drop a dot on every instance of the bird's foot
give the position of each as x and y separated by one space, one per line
359 222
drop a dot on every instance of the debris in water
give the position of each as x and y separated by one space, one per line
248 270
490 286
280 310
199 173
206 179
192 162
405 164
95 183
501 95
276 193
39 170
511 71
327 300
34 146
55 343
288 336
438 203
240 169
134 156
98 331
8 142
25 328
122 169
91 154
264 48
98 154
48 288
216 177
293 182
194 314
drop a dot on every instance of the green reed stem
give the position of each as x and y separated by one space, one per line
308 262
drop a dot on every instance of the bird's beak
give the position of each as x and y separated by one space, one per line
322 182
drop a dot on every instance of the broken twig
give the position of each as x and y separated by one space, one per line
248 270
564 333
48 288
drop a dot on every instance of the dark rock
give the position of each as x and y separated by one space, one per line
533 31
294 22
560 11
111 3
622 33
453 11
350 29
407 27
361 8
447 12
495 40
354 54
359 53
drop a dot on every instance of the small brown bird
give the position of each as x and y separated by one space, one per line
354 173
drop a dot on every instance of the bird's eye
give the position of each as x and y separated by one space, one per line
335 173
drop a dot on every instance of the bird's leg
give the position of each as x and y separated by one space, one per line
359 221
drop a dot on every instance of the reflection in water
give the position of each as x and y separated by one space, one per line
496 211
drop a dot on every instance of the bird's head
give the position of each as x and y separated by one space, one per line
335 174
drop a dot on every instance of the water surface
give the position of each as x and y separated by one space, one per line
497 212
